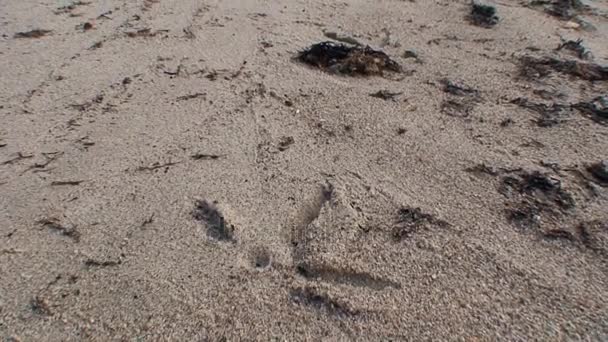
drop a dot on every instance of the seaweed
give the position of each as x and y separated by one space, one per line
483 15
456 108
597 108
541 67
599 170
348 60
577 47
457 88
538 186
550 115
217 227
565 9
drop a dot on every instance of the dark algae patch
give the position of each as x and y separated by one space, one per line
461 98
561 9
538 67
458 88
538 185
597 108
217 227
348 60
576 46
565 9
599 170
555 113
482 15
456 108
534 195
550 114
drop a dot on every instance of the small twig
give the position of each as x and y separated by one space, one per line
11 251
54 224
203 156
191 96
50 157
17 158
60 183
97 263
148 221
156 166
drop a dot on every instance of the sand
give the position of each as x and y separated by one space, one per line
329 214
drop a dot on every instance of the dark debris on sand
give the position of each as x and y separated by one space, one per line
37 33
556 113
565 9
41 306
550 115
538 67
483 15
457 108
348 60
577 47
217 227
562 9
54 224
537 203
72 6
386 95
534 194
461 98
597 108
599 170
457 88
538 185
411 220
592 235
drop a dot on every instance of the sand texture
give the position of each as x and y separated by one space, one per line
190 170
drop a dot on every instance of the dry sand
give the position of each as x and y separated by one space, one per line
317 181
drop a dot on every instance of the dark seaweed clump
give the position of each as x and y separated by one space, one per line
540 186
565 9
536 194
597 108
550 114
577 47
600 170
348 60
217 228
536 67
483 15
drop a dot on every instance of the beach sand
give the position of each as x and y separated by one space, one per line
170 171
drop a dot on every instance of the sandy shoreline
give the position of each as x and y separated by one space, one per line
170 171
